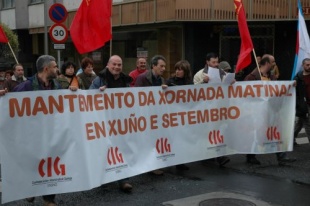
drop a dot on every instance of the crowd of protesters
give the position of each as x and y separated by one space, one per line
49 77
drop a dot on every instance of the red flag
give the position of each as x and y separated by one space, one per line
244 58
3 38
91 26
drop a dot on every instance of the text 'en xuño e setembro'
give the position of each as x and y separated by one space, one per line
106 101
140 124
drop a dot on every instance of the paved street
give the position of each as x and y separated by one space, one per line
239 183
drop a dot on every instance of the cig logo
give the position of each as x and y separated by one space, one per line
273 134
215 137
162 145
50 166
114 156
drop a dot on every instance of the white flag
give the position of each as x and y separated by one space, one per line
303 42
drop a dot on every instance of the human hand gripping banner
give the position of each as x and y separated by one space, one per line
61 141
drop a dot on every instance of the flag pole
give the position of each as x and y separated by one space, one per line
111 47
257 63
13 52
111 38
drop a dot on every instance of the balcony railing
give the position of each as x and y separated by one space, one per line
156 11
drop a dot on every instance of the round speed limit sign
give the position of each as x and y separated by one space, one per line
58 33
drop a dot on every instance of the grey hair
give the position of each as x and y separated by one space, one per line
44 61
304 60
155 59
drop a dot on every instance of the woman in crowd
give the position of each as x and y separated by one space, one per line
67 79
182 76
87 76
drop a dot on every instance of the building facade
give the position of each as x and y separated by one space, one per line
177 29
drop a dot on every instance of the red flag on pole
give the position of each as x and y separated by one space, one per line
3 38
244 58
91 26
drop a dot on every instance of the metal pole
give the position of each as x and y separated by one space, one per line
45 28
58 58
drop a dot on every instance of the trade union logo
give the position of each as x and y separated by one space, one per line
52 173
162 145
163 148
273 134
215 137
114 157
115 160
47 166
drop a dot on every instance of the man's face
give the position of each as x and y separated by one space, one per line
115 65
141 63
160 68
269 66
19 72
272 62
52 70
213 62
306 66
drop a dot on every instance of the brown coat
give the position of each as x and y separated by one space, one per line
145 80
254 75
12 83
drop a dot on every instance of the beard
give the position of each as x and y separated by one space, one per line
307 70
51 76
19 79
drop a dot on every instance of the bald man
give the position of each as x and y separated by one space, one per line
113 77
140 69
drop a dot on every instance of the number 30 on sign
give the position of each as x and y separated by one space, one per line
58 33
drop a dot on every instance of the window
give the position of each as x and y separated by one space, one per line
7 4
36 1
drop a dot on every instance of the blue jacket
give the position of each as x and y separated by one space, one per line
33 84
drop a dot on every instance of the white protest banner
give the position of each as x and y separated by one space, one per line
61 141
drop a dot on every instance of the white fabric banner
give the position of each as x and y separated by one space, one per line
62 141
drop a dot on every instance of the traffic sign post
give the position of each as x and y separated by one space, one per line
58 33
58 13
59 46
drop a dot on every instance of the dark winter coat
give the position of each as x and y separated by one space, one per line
33 84
301 103
104 77
146 80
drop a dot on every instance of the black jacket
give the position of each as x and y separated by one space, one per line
301 103
105 77
174 81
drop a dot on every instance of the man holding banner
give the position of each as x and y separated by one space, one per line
113 77
212 61
264 73
154 77
43 80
